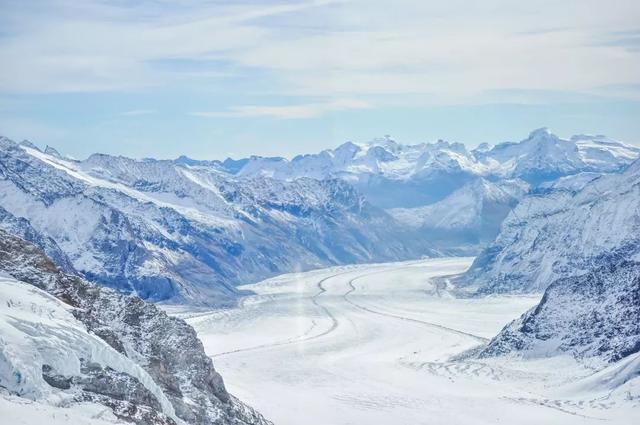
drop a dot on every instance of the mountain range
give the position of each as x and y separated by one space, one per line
165 230
188 230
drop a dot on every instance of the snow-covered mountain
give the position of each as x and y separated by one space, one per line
469 217
565 229
594 316
168 230
189 230
458 197
391 175
577 239
102 355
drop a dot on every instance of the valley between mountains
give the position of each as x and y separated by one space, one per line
373 283
393 343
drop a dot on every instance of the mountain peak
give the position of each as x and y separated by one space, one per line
386 142
52 152
26 143
539 133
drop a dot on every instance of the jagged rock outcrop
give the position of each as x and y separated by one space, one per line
150 369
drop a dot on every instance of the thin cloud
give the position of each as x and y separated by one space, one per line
445 49
137 112
310 110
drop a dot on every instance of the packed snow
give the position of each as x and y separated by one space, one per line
392 343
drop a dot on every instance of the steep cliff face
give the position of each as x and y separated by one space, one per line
595 316
92 344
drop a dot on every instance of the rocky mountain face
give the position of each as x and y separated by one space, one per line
188 231
566 229
594 316
68 342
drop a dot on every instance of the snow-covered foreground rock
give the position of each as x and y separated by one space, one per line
389 343
39 333
65 343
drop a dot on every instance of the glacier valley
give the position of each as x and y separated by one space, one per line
372 283
392 343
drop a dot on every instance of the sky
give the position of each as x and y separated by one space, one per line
211 79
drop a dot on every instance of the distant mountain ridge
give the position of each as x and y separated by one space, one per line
427 172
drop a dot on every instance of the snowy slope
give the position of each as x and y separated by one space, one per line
188 232
469 217
64 341
564 230
594 317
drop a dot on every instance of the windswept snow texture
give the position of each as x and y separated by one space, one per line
65 341
384 344
566 229
188 231
595 317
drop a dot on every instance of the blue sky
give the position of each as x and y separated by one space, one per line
212 79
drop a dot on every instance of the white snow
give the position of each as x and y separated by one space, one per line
159 199
372 344
20 411
37 329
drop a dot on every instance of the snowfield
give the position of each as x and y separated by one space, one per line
382 344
